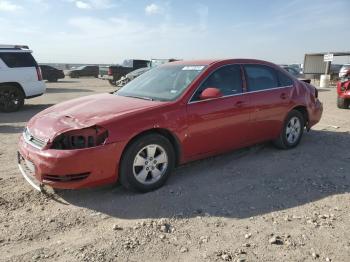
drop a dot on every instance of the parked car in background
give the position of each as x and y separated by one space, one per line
114 72
50 73
166 117
343 70
293 71
20 77
343 91
82 71
132 75
297 67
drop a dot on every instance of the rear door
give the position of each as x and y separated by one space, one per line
219 124
269 93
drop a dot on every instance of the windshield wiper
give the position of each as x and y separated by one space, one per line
141 97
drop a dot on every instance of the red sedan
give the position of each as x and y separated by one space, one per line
170 115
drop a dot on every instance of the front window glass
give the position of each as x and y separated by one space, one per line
227 79
165 83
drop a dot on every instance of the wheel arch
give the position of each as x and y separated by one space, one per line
303 110
16 84
173 139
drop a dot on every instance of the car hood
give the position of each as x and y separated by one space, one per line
84 112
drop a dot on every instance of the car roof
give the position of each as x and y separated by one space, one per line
15 48
215 61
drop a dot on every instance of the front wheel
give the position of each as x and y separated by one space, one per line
147 163
342 103
292 131
11 98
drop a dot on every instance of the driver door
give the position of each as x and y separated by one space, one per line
219 124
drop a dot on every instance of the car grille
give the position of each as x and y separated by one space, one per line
34 141
66 178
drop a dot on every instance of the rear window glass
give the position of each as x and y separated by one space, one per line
18 59
260 77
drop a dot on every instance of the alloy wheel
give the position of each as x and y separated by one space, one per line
293 130
150 164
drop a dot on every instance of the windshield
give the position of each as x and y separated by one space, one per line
80 68
164 83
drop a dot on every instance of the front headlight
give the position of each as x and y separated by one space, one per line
82 138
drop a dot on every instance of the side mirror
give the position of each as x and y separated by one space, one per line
210 93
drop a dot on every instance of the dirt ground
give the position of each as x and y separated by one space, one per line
254 204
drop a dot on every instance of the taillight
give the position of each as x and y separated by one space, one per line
110 73
38 73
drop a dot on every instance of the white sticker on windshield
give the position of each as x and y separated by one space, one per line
193 68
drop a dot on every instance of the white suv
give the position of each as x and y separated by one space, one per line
20 77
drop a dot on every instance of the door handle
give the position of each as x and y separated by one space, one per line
283 96
239 103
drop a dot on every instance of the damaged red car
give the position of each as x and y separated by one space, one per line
170 115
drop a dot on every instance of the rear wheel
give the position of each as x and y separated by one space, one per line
342 103
292 131
11 98
147 163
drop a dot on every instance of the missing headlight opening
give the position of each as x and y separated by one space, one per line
82 138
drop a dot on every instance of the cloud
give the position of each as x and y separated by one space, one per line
82 5
8 6
93 4
153 9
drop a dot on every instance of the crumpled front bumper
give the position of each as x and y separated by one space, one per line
72 169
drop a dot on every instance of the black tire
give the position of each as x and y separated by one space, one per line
11 98
112 82
282 141
126 170
52 80
74 76
342 103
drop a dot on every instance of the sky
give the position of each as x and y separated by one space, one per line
109 31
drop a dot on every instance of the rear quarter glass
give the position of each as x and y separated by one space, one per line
14 60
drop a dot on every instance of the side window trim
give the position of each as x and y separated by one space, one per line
190 101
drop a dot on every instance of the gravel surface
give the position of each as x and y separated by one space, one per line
254 204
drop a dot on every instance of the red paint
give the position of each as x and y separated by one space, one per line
202 128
